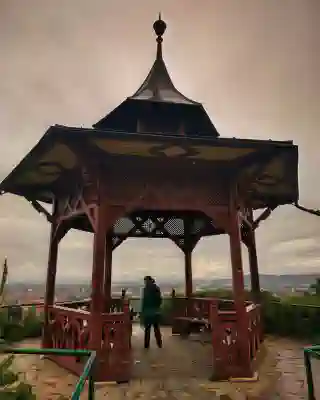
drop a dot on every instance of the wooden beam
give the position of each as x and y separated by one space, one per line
50 280
308 210
61 230
121 239
188 273
74 207
245 220
262 217
97 281
108 273
242 323
253 263
40 209
72 214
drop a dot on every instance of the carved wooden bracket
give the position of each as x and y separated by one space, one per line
61 230
262 217
186 244
308 210
117 241
219 215
74 206
112 214
38 207
248 225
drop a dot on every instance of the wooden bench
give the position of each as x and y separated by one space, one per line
184 326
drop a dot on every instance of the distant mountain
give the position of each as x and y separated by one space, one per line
267 282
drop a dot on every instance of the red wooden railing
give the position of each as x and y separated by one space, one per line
254 328
70 329
233 351
194 307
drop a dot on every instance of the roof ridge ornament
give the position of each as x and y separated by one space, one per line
158 85
159 28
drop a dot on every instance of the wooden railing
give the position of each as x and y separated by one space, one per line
233 350
71 329
193 307
255 328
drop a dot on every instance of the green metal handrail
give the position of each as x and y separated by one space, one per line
313 351
87 371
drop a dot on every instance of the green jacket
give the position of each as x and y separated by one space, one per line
151 304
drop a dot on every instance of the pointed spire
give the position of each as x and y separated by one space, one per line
159 27
157 106
158 85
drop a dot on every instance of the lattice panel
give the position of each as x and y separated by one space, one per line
159 231
139 228
123 226
153 225
175 226
197 226
149 225
115 241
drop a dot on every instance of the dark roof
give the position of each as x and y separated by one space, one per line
158 99
119 147
158 85
55 157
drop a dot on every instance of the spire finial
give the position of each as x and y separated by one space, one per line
159 27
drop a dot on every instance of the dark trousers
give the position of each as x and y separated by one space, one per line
147 333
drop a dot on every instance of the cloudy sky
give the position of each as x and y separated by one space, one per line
254 64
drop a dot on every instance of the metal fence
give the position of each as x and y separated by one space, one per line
310 353
87 374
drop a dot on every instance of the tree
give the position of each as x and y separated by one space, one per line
10 387
316 287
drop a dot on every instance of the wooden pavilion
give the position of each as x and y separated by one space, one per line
155 166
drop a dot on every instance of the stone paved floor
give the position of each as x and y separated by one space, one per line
289 362
190 358
179 371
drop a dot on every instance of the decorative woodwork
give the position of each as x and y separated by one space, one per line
253 262
79 202
51 277
71 329
108 271
221 319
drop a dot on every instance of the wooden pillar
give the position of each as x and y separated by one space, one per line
236 261
97 294
238 289
188 247
188 272
106 216
51 279
253 264
108 272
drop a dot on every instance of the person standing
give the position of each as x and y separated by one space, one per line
151 311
